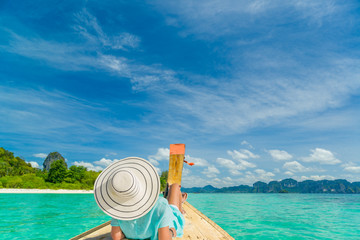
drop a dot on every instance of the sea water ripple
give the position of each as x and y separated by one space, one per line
243 216
283 216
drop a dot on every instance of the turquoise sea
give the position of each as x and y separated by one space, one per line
244 216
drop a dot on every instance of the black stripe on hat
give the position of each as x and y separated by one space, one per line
129 187
106 188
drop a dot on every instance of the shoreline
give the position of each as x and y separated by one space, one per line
61 191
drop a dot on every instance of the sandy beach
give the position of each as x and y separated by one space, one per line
19 190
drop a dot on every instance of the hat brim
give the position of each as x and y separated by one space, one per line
148 179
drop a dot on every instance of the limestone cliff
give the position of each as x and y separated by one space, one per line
52 157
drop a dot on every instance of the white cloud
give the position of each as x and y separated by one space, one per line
351 177
316 177
59 55
211 171
229 179
295 167
259 175
214 19
200 162
229 164
211 18
116 64
248 178
105 162
240 164
217 182
125 40
233 171
247 144
153 162
289 173
91 30
237 155
40 155
321 156
242 154
316 11
89 166
158 170
162 154
351 167
250 154
246 164
194 181
232 166
34 164
111 154
186 172
221 182
262 174
280 155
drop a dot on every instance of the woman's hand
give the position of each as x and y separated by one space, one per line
165 233
116 233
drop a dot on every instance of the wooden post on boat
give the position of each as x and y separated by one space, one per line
176 163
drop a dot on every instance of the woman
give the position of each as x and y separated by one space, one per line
128 191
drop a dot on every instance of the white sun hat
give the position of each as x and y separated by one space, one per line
127 189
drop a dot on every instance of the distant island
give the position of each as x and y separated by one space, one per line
15 172
285 186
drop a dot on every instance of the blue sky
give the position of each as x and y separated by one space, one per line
257 90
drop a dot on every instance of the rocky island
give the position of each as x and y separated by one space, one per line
285 186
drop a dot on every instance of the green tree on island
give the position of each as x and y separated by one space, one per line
57 172
75 174
13 166
163 180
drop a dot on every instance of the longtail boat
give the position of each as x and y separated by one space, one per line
197 225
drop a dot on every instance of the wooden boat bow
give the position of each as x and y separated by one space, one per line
197 226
